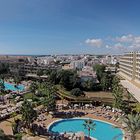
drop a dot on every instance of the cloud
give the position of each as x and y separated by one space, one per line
120 47
127 42
116 47
125 38
120 44
108 46
137 40
94 42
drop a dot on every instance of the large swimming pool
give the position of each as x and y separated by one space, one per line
9 86
104 131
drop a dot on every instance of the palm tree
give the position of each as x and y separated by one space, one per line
33 88
39 74
132 121
28 113
17 81
117 92
2 86
89 125
118 97
136 107
49 101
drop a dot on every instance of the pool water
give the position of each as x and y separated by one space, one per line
9 86
104 131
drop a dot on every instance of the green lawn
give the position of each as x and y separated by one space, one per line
27 96
66 94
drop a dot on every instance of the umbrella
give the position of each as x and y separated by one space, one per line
76 105
51 113
108 107
87 105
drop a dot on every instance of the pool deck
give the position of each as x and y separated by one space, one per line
6 125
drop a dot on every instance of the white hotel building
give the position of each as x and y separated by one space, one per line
130 71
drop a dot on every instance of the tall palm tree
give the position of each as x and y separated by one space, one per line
89 125
132 121
49 101
39 74
17 80
2 86
117 92
28 113
33 88
118 97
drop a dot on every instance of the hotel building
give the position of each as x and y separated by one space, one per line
130 67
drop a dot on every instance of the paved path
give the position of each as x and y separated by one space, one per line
134 90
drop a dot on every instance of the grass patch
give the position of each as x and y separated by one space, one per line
28 96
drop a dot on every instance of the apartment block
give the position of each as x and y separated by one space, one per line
130 66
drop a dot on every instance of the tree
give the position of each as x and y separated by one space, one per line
100 69
87 84
89 125
28 113
68 79
4 68
17 80
16 126
40 72
128 97
53 77
106 81
77 92
49 103
118 97
47 71
115 81
136 108
2 86
117 92
33 88
132 121
49 99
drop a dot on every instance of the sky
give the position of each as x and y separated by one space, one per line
69 26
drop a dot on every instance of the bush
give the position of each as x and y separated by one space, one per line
77 92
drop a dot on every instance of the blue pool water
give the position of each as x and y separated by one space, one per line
104 131
9 86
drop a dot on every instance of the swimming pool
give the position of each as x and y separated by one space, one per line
104 130
9 86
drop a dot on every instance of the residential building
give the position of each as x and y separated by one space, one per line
87 73
79 64
45 60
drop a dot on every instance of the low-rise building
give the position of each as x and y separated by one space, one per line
87 73
79 64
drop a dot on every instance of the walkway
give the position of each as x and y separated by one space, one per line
134 90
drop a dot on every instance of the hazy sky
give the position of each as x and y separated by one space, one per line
69 26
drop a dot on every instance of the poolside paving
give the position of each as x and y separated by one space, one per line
6 125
